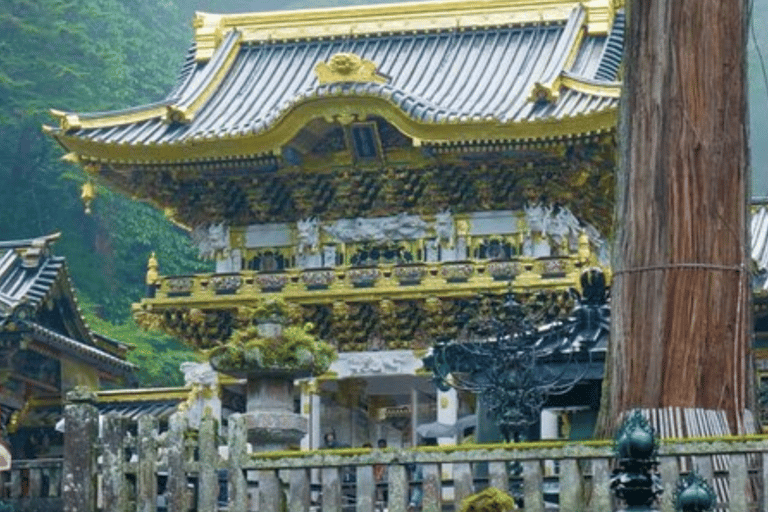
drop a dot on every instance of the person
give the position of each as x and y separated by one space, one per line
330 440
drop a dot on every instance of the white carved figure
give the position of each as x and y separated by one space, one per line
444 227
199 373
203 382
211 240
537 217
308 234
381 229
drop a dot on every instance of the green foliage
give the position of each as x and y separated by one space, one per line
291 347
157 355
489 500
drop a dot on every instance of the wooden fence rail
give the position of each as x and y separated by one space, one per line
140 467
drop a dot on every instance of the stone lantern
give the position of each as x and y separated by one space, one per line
271 352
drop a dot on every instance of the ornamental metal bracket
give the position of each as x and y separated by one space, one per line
348 67
177 114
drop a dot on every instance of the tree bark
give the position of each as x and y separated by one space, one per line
680 299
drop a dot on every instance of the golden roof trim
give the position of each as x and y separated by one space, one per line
391 18
142 394
286 127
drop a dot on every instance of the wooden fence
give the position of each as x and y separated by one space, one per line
138 467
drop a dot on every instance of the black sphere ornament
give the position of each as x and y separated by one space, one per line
635 480
636 439
694 494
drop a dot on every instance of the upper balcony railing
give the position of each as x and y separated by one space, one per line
393 281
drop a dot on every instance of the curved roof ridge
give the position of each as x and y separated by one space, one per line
188 97
407 17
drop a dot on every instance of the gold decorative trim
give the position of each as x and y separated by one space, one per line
347 67
389 18
610 91
286 127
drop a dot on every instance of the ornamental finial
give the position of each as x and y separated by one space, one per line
348 67
152 269
87 195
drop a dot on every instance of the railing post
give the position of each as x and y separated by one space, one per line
35 482
177 477
115 491
299 496
80 438
669 474
764 497
499 476
571 496
737 483
432 487
462 482
366 489
236 442
270 492
532 492
331 485
601 492
208 458
397 488
146 477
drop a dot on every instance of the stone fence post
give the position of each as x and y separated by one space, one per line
80 437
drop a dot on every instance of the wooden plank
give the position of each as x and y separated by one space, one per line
498 474
432 488
331 485
571 495
600 500
208 453
532 490
146 477
397 488
299 495
237 449
177 478
366 489
114 486
737 482
462 482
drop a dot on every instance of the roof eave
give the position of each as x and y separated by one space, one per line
254 145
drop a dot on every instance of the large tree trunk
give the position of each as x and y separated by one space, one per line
680 303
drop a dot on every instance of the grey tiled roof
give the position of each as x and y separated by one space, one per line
20 283
78 348
29 273
483 73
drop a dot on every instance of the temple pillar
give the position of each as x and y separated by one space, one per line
310 411
447 412
549 430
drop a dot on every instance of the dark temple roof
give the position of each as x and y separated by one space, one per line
29 276
513 74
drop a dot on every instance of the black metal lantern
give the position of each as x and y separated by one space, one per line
635 480
513 360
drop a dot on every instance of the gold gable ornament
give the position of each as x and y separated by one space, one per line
348 67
